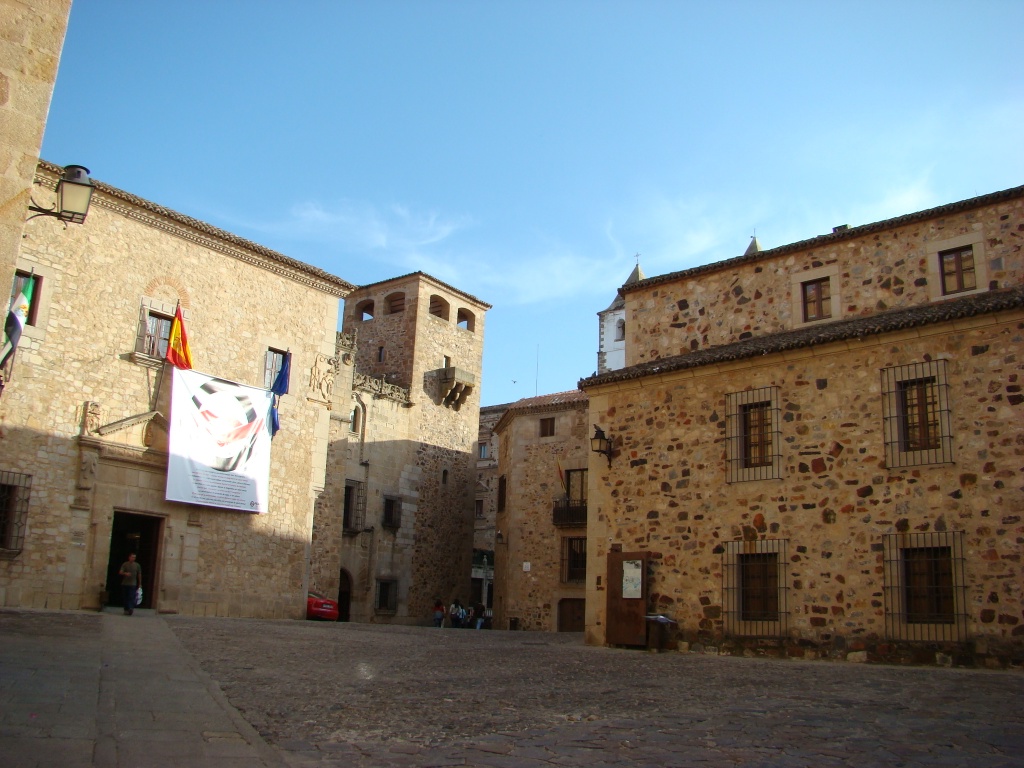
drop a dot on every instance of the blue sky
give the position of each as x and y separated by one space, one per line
525 151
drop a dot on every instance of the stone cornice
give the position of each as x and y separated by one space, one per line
126 454
199 232
378 387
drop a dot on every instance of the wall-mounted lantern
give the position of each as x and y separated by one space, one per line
74 193
600 443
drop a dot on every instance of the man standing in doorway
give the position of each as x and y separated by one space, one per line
131 580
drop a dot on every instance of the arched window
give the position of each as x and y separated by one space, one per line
444 477
620 330
439 307
395 303
465 319
355 419
364 310
381 356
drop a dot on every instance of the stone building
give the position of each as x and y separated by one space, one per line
541 557
33 36
84 416
394 529
816 448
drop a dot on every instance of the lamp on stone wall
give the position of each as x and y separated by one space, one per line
74 193
600 443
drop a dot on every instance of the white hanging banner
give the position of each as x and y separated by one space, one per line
219 443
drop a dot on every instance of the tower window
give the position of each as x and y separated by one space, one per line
439 307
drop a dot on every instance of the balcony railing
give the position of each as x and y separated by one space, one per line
569 512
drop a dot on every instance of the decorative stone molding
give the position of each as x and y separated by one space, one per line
380 388
321 379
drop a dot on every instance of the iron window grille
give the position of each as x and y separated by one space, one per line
925 588
957 268
817 299
354 509
752 435
755 588
387 596
14 494
916 415
574 559
392 513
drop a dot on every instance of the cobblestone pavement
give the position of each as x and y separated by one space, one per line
364 695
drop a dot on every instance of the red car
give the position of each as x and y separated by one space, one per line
320 607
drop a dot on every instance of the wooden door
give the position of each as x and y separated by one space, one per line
627 598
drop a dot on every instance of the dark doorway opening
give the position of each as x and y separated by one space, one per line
344 596
139 534
572 615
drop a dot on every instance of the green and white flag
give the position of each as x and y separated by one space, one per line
16 319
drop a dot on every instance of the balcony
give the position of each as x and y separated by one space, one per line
569 513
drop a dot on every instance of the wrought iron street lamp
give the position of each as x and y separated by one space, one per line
600 443
74 193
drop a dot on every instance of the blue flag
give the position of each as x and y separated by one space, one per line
280 388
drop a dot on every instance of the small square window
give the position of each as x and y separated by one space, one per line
547 427
957 269
817 299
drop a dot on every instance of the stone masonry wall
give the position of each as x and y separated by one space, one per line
530 464
870 273
94 276
666 491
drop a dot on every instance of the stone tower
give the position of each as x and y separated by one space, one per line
394 529
611 349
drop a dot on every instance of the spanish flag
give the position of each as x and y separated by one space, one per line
178 353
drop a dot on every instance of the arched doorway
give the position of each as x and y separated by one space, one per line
344 595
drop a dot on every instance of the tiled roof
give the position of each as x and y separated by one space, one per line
839 235
840 330
209 230
558 401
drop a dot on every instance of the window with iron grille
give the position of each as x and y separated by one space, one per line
387 596
392 513
755 587
354 510
957 269
916 414
574 559
925 592
752 435
14 493
272 364
817 299
547 427
502 492
572 510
